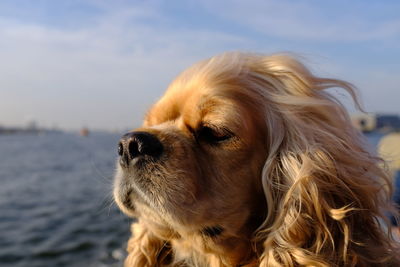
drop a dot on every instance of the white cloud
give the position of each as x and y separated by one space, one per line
103 75
308 20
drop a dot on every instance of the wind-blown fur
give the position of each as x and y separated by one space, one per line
295 186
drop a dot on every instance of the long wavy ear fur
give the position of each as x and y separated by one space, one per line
325 191
146 250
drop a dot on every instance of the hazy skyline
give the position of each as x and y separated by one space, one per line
102 63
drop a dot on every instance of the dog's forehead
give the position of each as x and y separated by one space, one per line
194 106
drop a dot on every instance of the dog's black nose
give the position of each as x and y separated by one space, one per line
136 144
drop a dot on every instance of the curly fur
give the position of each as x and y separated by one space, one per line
296 186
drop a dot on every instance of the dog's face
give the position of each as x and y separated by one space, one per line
197 160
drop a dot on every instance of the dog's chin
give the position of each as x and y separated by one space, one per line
131 189
123 194
138 192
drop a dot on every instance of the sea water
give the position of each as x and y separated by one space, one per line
56 205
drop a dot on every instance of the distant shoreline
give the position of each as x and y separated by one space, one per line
4 131
12 131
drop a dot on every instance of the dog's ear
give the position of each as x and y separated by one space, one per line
325 192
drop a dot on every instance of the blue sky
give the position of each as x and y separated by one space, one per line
102 63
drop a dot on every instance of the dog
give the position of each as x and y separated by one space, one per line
247 160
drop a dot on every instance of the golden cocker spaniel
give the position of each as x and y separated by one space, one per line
248 161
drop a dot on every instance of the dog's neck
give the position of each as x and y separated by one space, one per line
200 250
211 246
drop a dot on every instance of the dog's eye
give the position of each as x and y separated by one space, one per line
213 135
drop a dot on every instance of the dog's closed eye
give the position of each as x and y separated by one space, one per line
213 135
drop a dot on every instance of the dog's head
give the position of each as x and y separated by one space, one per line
198 159
249 146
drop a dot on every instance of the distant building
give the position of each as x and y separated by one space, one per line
32 125
376 122
388 121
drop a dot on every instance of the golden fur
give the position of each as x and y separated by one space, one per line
256 148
